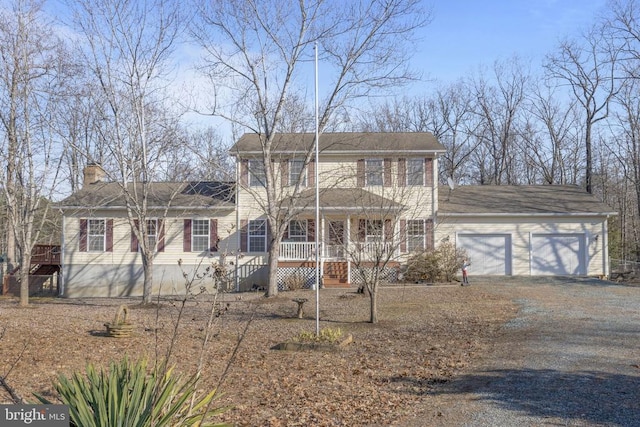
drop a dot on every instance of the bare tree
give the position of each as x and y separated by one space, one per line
550 139
588 67
31 70
499 107
128 46
258 55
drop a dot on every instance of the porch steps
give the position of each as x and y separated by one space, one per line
335 275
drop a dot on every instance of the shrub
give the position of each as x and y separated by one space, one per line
127 395
295 281
435 265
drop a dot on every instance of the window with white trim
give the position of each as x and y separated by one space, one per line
257 175
415 235
200 235
96 235
257 235
374 172
298 230
415 171
296 167
152 233
374 230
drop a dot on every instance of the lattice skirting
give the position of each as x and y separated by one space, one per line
387 275
290 278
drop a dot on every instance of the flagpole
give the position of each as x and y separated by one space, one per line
317 225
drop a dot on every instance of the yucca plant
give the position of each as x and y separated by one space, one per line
128 395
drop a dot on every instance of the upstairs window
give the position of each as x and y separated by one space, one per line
257 175
96 235
374 172
415 171
296 168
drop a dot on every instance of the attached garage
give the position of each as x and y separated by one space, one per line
558 255
550 230
489 254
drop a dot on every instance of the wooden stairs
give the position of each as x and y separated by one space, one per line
335 275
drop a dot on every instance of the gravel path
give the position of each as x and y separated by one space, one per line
570 358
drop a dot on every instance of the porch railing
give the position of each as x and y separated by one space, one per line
306 250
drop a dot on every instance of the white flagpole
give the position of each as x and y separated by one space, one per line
317 225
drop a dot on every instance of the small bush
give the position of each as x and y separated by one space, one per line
295 281
435 265
128 395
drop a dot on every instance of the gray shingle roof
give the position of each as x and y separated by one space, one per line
524 199
205 194
346 199
344 142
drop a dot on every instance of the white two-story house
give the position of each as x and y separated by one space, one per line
379 201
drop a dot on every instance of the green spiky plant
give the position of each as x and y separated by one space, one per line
127 395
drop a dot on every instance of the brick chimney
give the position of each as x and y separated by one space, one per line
93 173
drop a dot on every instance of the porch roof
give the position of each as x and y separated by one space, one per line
345 199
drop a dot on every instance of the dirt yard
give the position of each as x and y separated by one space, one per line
426 336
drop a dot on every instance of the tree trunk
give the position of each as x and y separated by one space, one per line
274 254
24 280
373 300
147 288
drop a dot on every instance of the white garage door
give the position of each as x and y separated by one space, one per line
490 254
558 254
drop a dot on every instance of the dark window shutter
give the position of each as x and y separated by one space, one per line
213 235
109 235
244 235
429 234
186 236
244 172
402 172
403 235
387 173
311 230
134 238
388 230
360 173
362 229
428 170
160 235
311 174
84 224
284 172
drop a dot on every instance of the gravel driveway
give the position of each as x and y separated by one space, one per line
570 358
